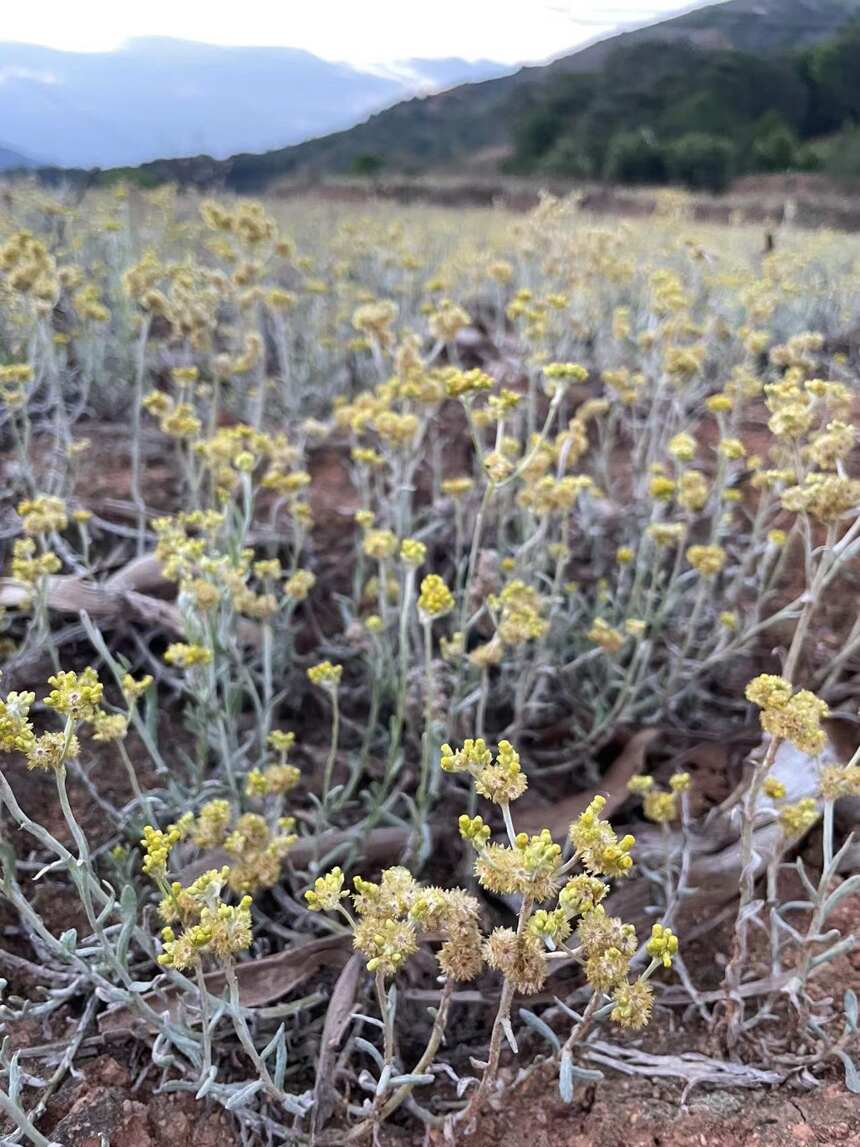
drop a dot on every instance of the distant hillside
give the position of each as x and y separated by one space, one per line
477 120
157 97
14 160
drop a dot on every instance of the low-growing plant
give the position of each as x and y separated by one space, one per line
386 488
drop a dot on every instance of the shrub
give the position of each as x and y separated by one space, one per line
635 157
702 162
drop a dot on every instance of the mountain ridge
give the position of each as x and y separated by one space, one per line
157 97
473 115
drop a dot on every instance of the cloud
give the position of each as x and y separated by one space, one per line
12 72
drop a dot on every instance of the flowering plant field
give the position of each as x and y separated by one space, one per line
358 567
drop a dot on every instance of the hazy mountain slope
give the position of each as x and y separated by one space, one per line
453 125
14 160
160 97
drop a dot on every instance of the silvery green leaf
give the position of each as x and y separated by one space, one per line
464 1082
852 1075
240 1097
601 1013
849 1002
587 1073
128 901
413 1079
185 1044
273 1043
367 1081
128 907
836 950
565 1078
509 1035
796 905
786 927
384 1077
69 939
49 868
206 1085
369 1020
567 1009
14 1078
850 885
280 1063
541 1027
368 1047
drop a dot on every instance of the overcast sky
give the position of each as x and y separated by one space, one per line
360 31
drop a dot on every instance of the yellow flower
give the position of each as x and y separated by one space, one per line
413 552
281 741
732 449
659 806
633 1003
768 691
597 845
75 695
662 488
774 788
326 675
601 633
797 818
187 656
795 717
109 726
682 447
435 599
299 585
457 487
51 751
706 560
663 945
565 372
825 496
838 781
43 514
718 403
666 533
379 544
327 892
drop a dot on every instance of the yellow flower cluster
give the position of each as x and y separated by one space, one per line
75 695
824 496
794 717
209 926
596 844
603 634
43 514
185 656
326 675
256 851
499 779
707 560
435 599
519 608
397 913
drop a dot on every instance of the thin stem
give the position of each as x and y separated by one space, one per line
335 737
427 740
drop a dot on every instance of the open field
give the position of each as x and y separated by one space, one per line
362 562
806 201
